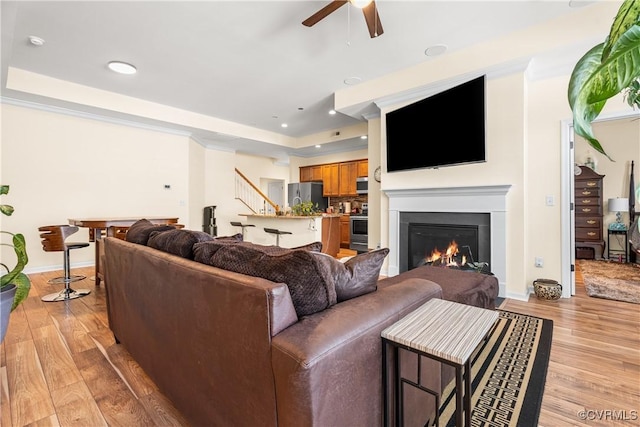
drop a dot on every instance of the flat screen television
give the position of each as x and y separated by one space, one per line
444 129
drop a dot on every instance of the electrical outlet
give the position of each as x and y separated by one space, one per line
539 261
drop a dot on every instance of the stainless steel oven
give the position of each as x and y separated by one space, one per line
358 233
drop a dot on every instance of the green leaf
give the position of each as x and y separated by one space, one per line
4 189
23 284
627 16
593 82
19 247
6 209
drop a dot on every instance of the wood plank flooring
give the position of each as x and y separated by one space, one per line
59 364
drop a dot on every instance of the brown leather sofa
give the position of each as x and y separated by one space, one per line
229 349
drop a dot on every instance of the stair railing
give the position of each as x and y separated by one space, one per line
253 198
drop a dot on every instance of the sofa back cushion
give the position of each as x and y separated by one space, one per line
177 241
140 231
311 290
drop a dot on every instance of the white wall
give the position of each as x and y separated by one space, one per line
62 167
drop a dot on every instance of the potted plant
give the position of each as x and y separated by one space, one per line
609 68
305 209
14 284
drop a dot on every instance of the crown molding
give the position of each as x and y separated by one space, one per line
91 116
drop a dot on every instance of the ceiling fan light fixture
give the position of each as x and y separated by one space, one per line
360 4
122 67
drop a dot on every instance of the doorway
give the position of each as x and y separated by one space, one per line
275 192
617 184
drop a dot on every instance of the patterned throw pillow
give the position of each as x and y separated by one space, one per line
140 231
177 241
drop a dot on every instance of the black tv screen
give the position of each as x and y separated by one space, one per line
447 128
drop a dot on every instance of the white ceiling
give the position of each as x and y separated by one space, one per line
248 62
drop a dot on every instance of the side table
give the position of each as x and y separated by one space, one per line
442 330
624 246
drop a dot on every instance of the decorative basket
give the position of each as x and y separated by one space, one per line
547 289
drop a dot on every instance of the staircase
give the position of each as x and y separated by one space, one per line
253 198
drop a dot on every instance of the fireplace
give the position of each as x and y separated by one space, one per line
481 206
444 238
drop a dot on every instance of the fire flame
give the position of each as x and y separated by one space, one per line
447 258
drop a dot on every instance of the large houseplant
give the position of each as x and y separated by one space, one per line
14 284
609 68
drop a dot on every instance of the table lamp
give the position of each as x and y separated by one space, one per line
618 205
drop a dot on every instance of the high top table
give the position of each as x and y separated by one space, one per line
442 330
100 226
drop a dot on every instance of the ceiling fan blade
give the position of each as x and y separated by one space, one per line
373 20
323 13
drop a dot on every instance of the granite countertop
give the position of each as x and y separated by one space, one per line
324 215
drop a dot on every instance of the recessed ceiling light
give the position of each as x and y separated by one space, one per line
352 80
318 145
360 4
122 67
435 50
284 125
36 41
577 3
332 112
363 137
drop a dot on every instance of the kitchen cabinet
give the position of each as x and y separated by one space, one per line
347 182
345 237
338 179
305 173
311 173
330 180
363 168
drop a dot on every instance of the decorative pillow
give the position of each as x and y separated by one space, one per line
204 251
235 238
356 276
313 247
177 241
140 231
311 291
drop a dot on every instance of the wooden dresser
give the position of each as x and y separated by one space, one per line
588 217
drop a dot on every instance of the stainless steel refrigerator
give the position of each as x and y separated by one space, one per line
305 192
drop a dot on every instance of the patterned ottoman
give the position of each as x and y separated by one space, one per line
465 287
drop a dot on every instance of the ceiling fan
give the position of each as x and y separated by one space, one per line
368 9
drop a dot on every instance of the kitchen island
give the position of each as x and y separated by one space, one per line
324 228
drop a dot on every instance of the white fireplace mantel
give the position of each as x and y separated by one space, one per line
490 199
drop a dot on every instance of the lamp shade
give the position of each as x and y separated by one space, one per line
619 204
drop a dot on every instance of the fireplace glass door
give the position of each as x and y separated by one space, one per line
442 243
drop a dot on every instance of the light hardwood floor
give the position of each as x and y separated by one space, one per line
59 364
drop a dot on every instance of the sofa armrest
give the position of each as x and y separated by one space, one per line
328 366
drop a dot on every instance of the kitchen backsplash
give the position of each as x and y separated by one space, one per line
356 202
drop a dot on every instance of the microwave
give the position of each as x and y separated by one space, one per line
362 185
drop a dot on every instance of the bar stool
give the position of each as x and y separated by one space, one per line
53 240
277 232
243 226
